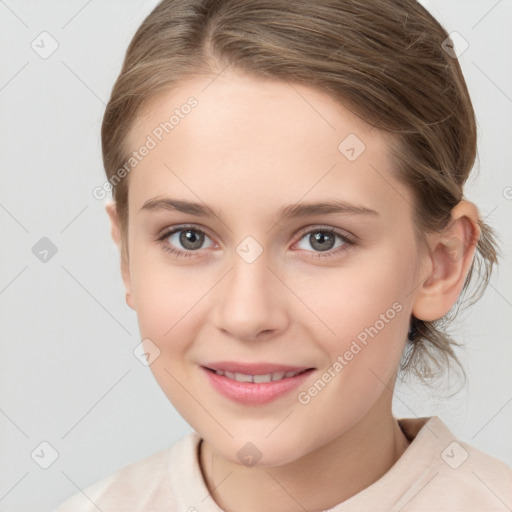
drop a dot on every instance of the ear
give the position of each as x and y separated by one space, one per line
451 254
115 230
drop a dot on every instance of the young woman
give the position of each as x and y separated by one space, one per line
288 203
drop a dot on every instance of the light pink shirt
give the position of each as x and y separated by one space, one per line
436 473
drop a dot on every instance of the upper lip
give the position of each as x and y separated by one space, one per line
253 368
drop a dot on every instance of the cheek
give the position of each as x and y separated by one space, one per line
368 312
357 297
168 302
165 298
366 308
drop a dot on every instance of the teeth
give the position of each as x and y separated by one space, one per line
268 377
262 378
240 377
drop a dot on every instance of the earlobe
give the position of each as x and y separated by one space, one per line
115 231
451 255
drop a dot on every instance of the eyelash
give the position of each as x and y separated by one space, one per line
347 241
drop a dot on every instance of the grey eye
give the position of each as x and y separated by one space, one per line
188 239
320 240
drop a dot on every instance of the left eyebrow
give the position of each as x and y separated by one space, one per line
286 212
305 209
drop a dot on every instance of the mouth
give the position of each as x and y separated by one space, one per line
254 384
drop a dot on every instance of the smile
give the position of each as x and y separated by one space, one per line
258 384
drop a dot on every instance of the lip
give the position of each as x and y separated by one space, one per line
251 393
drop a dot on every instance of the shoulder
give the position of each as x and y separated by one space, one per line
139 486
458 476
484 480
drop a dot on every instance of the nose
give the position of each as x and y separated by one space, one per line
250 303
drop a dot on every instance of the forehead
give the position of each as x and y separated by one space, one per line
258 140
261 107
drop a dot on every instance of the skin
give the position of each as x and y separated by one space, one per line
249 148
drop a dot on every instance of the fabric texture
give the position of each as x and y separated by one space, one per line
437 472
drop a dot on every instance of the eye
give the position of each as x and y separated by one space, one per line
182 241
328 241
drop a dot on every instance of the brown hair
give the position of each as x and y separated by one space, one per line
383 59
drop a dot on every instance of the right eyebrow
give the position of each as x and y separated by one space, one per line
168 204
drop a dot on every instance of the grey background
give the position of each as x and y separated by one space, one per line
68 375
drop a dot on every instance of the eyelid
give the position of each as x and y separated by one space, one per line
349 242
303 231
346 235
181 253
348 238
168 231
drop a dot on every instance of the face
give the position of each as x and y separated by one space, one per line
267 227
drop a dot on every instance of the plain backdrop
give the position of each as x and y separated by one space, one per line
68 375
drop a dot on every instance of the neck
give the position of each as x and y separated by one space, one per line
318 480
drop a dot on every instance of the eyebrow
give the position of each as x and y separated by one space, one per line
286 212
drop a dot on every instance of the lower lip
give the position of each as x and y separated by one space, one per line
254 393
